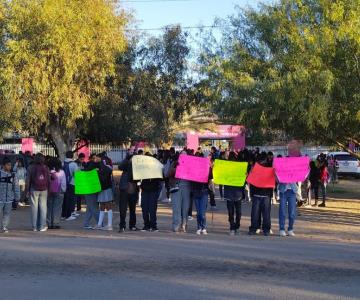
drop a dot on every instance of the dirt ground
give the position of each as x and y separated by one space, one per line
321 262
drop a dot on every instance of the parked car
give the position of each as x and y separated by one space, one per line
348 164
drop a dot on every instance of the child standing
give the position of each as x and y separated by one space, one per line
9 191
20 171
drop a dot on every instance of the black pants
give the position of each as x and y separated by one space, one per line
69 202
127 201
221 190
234 211
78 202
212 197
261 207
149 208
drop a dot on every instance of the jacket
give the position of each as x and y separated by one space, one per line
282 187
9 187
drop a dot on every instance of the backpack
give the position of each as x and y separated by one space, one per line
40 178
67 172
55 184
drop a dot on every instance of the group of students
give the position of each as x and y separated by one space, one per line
50 187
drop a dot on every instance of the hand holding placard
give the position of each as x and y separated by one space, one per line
292 169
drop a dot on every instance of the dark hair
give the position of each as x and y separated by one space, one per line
81 155
39 159
55 164
69 154
6 160
140 151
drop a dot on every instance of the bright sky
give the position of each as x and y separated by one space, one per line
158 13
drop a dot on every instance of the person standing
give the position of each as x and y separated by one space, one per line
314 180
106 196
70 167
200 194
56 193
128 195
81 166
233 195
287 199
21 173
150 191
92 206
9 192
37 186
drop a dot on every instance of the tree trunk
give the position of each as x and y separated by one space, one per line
63 142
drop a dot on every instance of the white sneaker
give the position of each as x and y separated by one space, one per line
271 232
190 218
198 232
35 230
258 231
282 233
232 232
5 230
43 229
21 204
291 233
75 214
204 232
71 218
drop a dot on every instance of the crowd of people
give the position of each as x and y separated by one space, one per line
48 186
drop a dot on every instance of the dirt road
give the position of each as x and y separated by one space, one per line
322 262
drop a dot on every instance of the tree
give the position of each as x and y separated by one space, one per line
55 59
150 93
292 66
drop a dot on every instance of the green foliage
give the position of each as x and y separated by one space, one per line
293 67
55 59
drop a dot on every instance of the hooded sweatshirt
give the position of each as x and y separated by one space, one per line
9 187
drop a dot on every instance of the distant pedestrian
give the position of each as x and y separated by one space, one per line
9 192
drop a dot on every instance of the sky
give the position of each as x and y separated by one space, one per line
159 13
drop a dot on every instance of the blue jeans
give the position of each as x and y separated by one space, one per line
149 208
5 211
38 203
54 206
287 198
92 209
180 206
201 200
261 206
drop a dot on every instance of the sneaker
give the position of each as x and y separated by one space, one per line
232 232
237 232
35 230
204 232
121 230
75 214
322 205
198 232
98 227
258 231
71 218
183 228
107 228
5 230
88 227
190 218
291 233
134 228
271 232
145 229
21 204
155 229
282 233
43 229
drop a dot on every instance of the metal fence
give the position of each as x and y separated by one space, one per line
118 153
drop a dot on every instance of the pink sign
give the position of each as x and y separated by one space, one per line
193 168
27 144
292 169
85 149
192 141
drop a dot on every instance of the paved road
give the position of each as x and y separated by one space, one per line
322 262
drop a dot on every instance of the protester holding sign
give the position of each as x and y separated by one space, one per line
230 173
180 197
289 171
150 191
146 167
262 183
200 196
233 195
92 206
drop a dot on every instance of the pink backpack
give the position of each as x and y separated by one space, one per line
55 184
